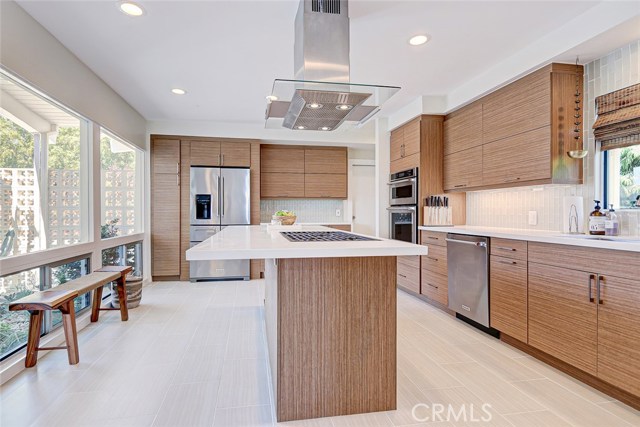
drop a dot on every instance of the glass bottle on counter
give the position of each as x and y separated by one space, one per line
612 224
597 220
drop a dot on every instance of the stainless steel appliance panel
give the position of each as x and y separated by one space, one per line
218 270
204 200
235 196
403 223
200 233
403 188
468 272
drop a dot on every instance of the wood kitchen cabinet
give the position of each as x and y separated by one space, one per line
165 207
408 273
282 185
325 161
281 159
406 146
518 135
325 186
220 153
433 278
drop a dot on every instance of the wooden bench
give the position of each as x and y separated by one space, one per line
61 298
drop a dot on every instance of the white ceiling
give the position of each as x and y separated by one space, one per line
226 54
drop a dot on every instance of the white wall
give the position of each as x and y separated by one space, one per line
382 155
29 51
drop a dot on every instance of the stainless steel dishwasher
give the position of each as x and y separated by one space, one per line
468 268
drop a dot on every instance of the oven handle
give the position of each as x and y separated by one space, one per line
402 181
401 209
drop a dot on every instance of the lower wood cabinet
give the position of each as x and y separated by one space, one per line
165 225
408 273
434 286
508 296
563 315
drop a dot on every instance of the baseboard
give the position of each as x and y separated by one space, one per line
595 382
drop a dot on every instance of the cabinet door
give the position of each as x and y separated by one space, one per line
519 107
165 156
165 225
562 319
463 169
404 163
397 142
508 296
280 159
236 154
411 138
205 153
281 185
325 186
619 333
409 273
521 158
463 129
319 160
434 286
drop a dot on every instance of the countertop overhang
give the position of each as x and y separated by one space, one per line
620 243
256 242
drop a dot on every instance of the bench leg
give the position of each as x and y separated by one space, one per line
70 334
97 302
35 326
121 286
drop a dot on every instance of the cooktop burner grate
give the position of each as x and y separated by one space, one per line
323 236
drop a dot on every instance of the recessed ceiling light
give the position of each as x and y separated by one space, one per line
131 9
325 128
271 98
344 107
418 40
300 127
178 91
314 105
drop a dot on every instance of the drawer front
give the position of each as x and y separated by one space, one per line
436 261
429 238
409 277
410 261
515 249
434 286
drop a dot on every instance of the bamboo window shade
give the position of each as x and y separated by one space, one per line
618 121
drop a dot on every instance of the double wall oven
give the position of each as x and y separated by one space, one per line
403 206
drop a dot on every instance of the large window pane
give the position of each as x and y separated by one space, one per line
120 188
623 180
63 273
130 255
14 325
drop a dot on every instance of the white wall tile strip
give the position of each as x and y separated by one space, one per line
195 354
307 210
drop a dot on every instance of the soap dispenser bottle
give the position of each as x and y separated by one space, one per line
597 220
612 225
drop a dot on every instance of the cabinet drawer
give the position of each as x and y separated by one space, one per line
409 277
434 286
508 296
410 261
436 261
515 249
429 238
327 186
285 185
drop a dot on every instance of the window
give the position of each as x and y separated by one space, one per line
130 254
121 166
43 170
623 177
14 325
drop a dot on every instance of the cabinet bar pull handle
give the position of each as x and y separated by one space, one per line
402 275
432 259
507 262
591 279
504 248
460 185
178 180
512 179
221 159
600 279
178 168
433 286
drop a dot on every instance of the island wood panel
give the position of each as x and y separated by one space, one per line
165 224
519 107
336 337
325 160
562 320
520 158
165 156
404 163
282 185
436 261
411 137
463 169
508 296
256 265
205 153
509 248
326 186
396 144
463 129
434 286
280 159
619 333
235 154
185 207
607 262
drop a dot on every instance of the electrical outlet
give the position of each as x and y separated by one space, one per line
338 212
533 218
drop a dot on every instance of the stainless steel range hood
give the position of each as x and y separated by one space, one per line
321 96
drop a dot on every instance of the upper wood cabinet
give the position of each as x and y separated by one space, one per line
281 159
463 169
285 185
463 129
205 153
405 144
165 156
325 160
325 186
525 129
220 153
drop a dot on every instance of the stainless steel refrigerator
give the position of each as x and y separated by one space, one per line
220 197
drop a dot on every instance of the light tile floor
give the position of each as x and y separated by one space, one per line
194 354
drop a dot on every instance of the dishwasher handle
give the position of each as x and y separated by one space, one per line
478 244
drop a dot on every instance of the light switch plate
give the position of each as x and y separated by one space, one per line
338 212
533 217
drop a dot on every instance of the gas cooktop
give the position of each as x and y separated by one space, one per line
323 236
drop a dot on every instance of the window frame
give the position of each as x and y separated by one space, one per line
606 180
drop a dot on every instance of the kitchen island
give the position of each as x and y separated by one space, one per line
330 317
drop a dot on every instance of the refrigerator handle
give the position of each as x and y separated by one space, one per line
222 196
217 204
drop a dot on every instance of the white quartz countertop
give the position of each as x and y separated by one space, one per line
255 242
622 243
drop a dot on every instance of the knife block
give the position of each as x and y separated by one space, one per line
457 206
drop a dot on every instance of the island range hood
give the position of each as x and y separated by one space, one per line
321 96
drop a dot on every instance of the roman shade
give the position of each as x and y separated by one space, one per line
618 118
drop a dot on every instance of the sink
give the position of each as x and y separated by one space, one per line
602 238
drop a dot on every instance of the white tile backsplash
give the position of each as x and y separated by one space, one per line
509 208
307 210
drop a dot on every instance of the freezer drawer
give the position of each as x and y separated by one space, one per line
218 270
